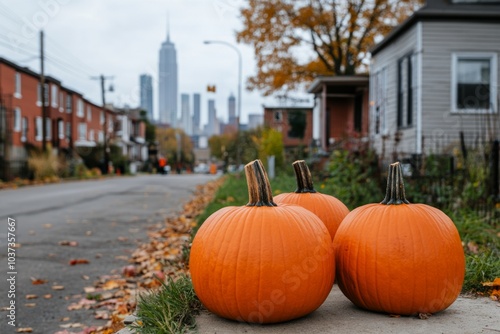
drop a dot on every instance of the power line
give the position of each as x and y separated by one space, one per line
69 55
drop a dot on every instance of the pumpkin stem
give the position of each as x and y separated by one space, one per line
395 193
303 176
259 188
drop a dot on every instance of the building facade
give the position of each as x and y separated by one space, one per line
167 83
434 80
72 123
146 97
186 119
196 114
231 108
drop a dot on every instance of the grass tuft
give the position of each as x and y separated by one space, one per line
170 309
480 268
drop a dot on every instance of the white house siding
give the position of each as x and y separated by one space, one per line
441 127
387 60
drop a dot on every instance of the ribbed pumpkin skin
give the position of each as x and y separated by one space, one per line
399 259
262 264
328 208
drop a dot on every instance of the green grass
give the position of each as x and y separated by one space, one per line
171 309
480 268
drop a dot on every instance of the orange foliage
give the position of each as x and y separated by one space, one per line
295 41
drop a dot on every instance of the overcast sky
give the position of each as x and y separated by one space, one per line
122 38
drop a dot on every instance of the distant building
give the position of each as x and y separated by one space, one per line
146 85
73 124
185 123
231 107
255 120
212 126
196 113
295 124
167 90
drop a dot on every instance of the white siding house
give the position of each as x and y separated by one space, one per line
435 78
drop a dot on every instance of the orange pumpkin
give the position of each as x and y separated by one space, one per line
328 208
262 262
397 257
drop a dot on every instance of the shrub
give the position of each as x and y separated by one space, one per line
45 165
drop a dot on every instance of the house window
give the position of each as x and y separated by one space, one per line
17 119
297 121
278 116
24 129
89 114
79 108
474 82
91 135
17 80
68 130
54 94
406 90
69 104
60 128
61 101
100 137
38 129
82 131
48 128
39 95
102 118
379 100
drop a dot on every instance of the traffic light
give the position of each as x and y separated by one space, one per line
211 88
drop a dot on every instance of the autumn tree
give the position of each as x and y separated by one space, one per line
229 148
170 141
297 40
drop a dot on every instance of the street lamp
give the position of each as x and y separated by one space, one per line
239 89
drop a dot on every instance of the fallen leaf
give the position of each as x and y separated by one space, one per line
73 262
24 330
47 296
72 325
64 319
47 225
30 304
424 316
473 247
122 239
31 296
37 281
68 243
496 282
85 277
89 289
57 287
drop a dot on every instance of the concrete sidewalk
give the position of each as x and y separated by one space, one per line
339 315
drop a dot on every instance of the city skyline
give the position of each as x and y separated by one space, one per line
91 38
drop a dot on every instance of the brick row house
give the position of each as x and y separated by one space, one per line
72 121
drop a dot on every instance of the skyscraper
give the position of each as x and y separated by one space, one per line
167 91
186 123
146 84
213 123
196 113
231 107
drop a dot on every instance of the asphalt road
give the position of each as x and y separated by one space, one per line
108 218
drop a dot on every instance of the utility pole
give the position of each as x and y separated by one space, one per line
103 78
42 92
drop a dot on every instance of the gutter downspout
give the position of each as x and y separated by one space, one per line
419 89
